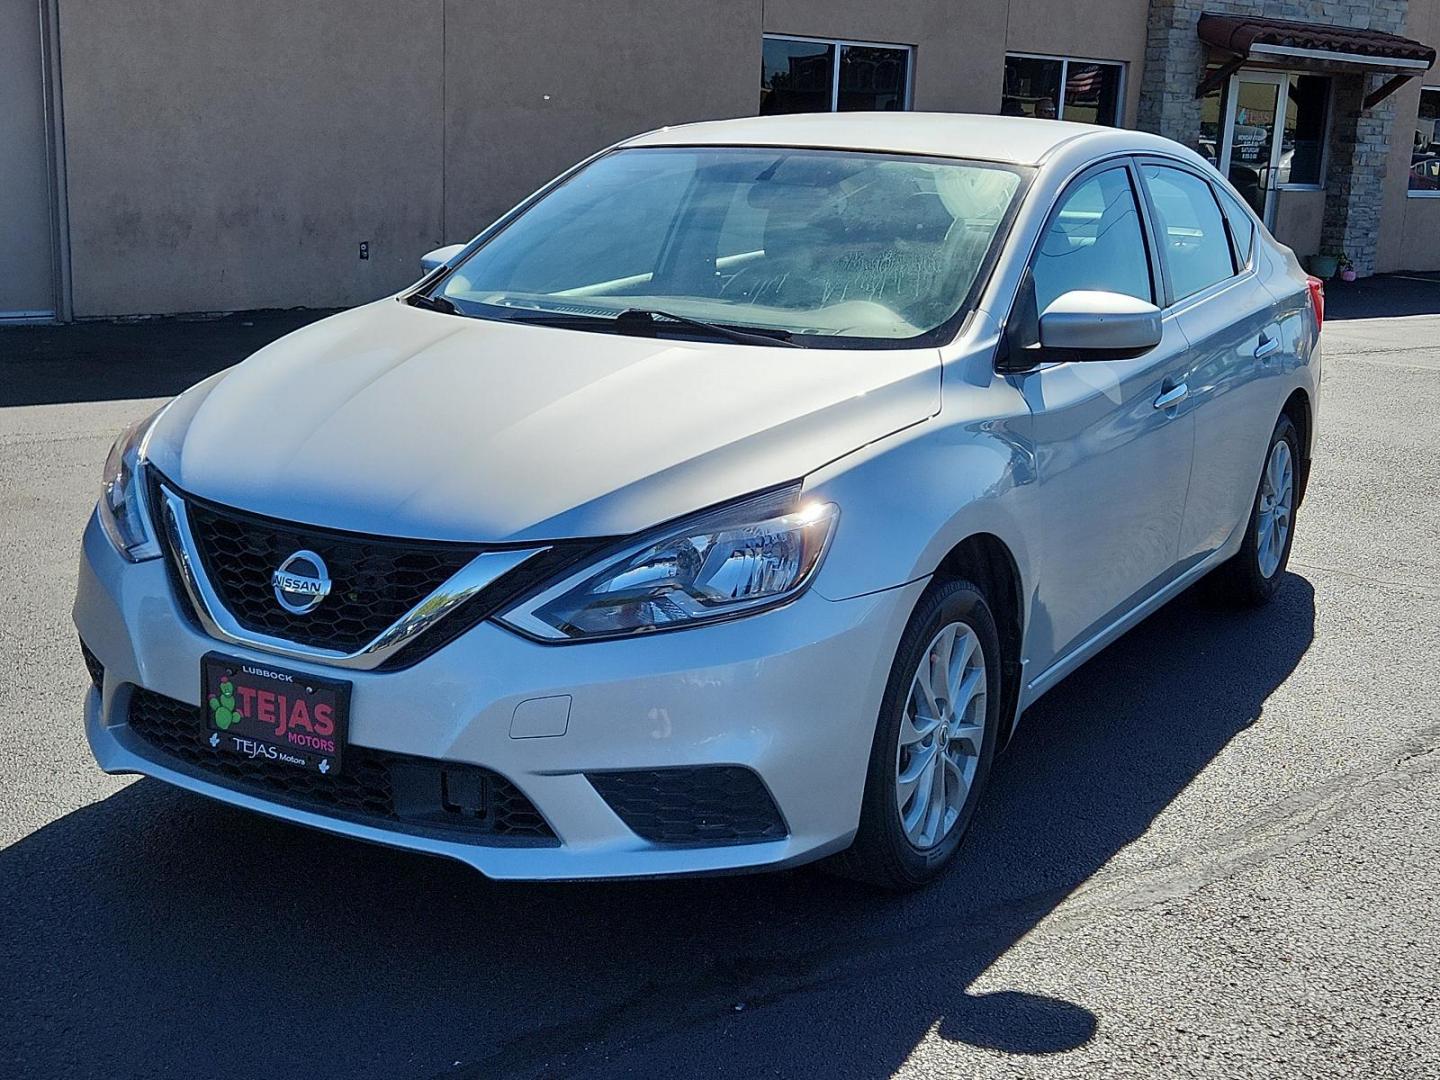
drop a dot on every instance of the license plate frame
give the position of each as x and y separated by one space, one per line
273 715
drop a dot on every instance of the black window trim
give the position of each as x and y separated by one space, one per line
1159 272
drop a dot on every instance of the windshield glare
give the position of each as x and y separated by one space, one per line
810 242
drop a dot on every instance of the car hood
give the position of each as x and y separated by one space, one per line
393 420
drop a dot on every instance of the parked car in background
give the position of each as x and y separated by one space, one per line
722 507
1425 173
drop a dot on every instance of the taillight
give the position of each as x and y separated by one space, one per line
1317 299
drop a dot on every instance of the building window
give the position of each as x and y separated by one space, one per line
799 75
1059 88
1302 140
1425 158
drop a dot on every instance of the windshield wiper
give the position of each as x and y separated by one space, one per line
432 303
643 319
655 318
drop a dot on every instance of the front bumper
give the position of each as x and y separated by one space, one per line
791 694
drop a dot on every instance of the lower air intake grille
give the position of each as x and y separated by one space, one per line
92 665
412 794
709 804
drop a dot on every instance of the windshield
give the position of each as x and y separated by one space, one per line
847 247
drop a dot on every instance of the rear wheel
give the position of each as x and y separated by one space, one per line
1252 577
934 741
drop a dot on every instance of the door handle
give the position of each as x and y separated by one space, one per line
1173 396
1267 346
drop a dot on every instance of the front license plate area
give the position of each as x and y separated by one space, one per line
268 715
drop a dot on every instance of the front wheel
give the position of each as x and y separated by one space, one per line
1252 577
934 741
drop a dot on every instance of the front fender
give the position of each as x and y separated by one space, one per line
908 500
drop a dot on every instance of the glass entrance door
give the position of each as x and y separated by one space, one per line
1250 148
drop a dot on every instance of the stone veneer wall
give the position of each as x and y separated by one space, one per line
1359 140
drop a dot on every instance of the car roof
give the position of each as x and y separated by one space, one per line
1017 140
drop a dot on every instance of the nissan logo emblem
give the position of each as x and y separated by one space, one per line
301 583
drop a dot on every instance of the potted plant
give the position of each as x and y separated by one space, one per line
1346 267
1323 266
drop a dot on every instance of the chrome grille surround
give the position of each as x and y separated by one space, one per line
215 618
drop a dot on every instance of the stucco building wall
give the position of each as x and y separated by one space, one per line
236 155
530 89
228 156
1298 219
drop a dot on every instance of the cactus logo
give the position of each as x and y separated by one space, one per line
224 707
301 583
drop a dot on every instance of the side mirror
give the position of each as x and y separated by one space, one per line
1085 325
439 257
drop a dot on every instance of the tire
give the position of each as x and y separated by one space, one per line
1253 576
885 852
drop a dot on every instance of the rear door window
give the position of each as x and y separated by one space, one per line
1191 231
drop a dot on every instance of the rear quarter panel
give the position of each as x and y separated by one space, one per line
1286 280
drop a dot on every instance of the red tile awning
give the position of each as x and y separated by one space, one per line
1340 48
1275 39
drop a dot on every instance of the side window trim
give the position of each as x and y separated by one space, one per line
1171 301
1152 222
1162 292
1244 260
1238 262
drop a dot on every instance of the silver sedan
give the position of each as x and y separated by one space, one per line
723 506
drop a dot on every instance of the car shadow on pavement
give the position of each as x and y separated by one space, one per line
157 933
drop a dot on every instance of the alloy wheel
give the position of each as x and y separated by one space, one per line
1277 500
941 734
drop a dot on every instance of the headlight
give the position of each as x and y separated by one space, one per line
737 560
122 502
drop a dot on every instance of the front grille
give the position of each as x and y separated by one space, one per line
709 804
374 581
376 787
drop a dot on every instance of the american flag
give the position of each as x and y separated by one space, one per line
1085 80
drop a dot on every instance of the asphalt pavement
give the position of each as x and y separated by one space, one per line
1214 851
